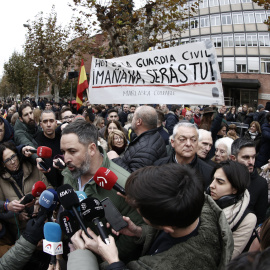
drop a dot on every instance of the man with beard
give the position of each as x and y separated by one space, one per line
83 158
25 129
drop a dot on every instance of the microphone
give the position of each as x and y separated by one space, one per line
52 243
45 202
81 195
92 210
69 199
106 179
38 188
55 199
27 199
42 151
68 223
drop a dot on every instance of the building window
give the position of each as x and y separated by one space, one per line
226 18
194 23
249 17
217 41
252 40
237 18
264 40
192 40
265 65
215 20
205 38
260 16
241 68
224 2
235 1
203 4
213 3
239 40
204 21
246 1
227 41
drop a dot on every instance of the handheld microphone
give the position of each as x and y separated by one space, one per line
55 199
81 196
92 210
38 188
68 223
106 179
52 243
27 199
69 199
42 151
45 202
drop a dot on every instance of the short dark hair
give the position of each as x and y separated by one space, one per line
112 110
87 133
240 143
237 174
175 107
3 147
22 107
166 195
65 109
47 111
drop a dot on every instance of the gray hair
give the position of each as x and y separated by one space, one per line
186 124
203 132
227 142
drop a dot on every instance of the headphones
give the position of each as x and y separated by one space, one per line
226 200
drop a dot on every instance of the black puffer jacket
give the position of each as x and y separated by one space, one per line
143 151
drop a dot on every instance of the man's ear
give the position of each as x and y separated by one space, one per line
92 148
233 157
168 229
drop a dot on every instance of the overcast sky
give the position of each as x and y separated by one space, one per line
13 14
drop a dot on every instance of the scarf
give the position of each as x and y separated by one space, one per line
253 135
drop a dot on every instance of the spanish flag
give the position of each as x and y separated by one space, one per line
82 85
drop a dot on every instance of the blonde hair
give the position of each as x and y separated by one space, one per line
111 138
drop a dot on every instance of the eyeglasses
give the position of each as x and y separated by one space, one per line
118 139
48 120
9 160
69 117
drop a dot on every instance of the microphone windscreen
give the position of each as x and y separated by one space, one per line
81 195
46 199
91 208
27 199
67 196
44 152
55 198
38 188
105 178
68 223
52 232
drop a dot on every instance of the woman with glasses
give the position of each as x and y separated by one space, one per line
117 142
17 177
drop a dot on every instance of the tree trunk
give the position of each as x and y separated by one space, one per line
56 93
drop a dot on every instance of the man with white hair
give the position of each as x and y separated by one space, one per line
147 147
205 144
185 145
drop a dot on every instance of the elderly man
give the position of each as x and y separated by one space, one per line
147 147
185 145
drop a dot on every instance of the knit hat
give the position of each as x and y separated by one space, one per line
260 106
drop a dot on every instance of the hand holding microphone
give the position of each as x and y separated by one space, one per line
42 151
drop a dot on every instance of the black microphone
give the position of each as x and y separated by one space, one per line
69 225
92 210
69 199
27 199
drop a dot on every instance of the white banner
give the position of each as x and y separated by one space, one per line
186 74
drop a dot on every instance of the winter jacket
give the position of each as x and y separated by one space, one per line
257 139
26 136
264 153
203 169
209 250
143 151
231 117
127 248
171 120
241 117
9 132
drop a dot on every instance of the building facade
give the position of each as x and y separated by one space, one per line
237 30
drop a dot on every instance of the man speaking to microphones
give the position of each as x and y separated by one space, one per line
83 158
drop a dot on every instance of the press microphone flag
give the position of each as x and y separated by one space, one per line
42 151
52 243
106 179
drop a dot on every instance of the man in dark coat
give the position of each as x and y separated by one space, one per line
172 118
6 130
147 147
185 144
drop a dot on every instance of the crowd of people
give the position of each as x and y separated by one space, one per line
196 179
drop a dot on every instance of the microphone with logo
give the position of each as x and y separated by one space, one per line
38 188
69 200
106 179
92 210
45 201
68 223
52 243
42 151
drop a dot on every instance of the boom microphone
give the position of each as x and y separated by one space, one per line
69 200
38 188
42 151
92 210
106 179
68 223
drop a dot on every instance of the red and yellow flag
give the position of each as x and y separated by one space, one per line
82 85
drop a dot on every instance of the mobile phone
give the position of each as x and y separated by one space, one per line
113 215
59 164
43 165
